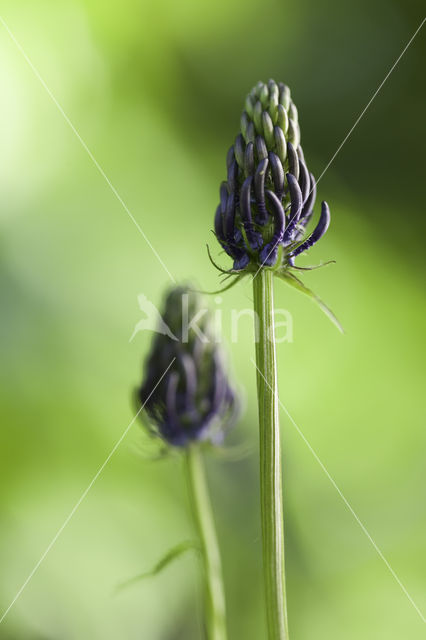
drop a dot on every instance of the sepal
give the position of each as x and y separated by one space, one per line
293 281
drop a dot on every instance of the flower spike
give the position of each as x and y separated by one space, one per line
194 399
268 198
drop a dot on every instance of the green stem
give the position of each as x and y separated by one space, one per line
200 500
270 458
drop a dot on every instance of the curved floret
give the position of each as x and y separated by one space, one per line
186 393
267 200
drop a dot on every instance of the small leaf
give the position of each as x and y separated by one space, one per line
231 272
171 555
315 266
228 286
291 279
215 263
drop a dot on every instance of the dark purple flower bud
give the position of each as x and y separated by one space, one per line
267 158
296 200
218 227
277 172
223 196
229 220
259 190
300 153
233 176
317 233
249 159
186 392
241 262
230 157
261 149
254 238
268 255
308 207
250 133
296 197
304 180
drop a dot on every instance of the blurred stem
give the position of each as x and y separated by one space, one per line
200 501
270 458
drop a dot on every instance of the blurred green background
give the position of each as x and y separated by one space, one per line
156 90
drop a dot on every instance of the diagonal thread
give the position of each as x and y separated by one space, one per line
86 148
82 497
364 529
358 120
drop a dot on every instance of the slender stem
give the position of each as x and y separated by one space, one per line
200 500
270 458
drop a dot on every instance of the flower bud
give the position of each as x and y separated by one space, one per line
186 393
270 192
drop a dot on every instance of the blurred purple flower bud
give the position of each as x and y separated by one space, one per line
194 399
